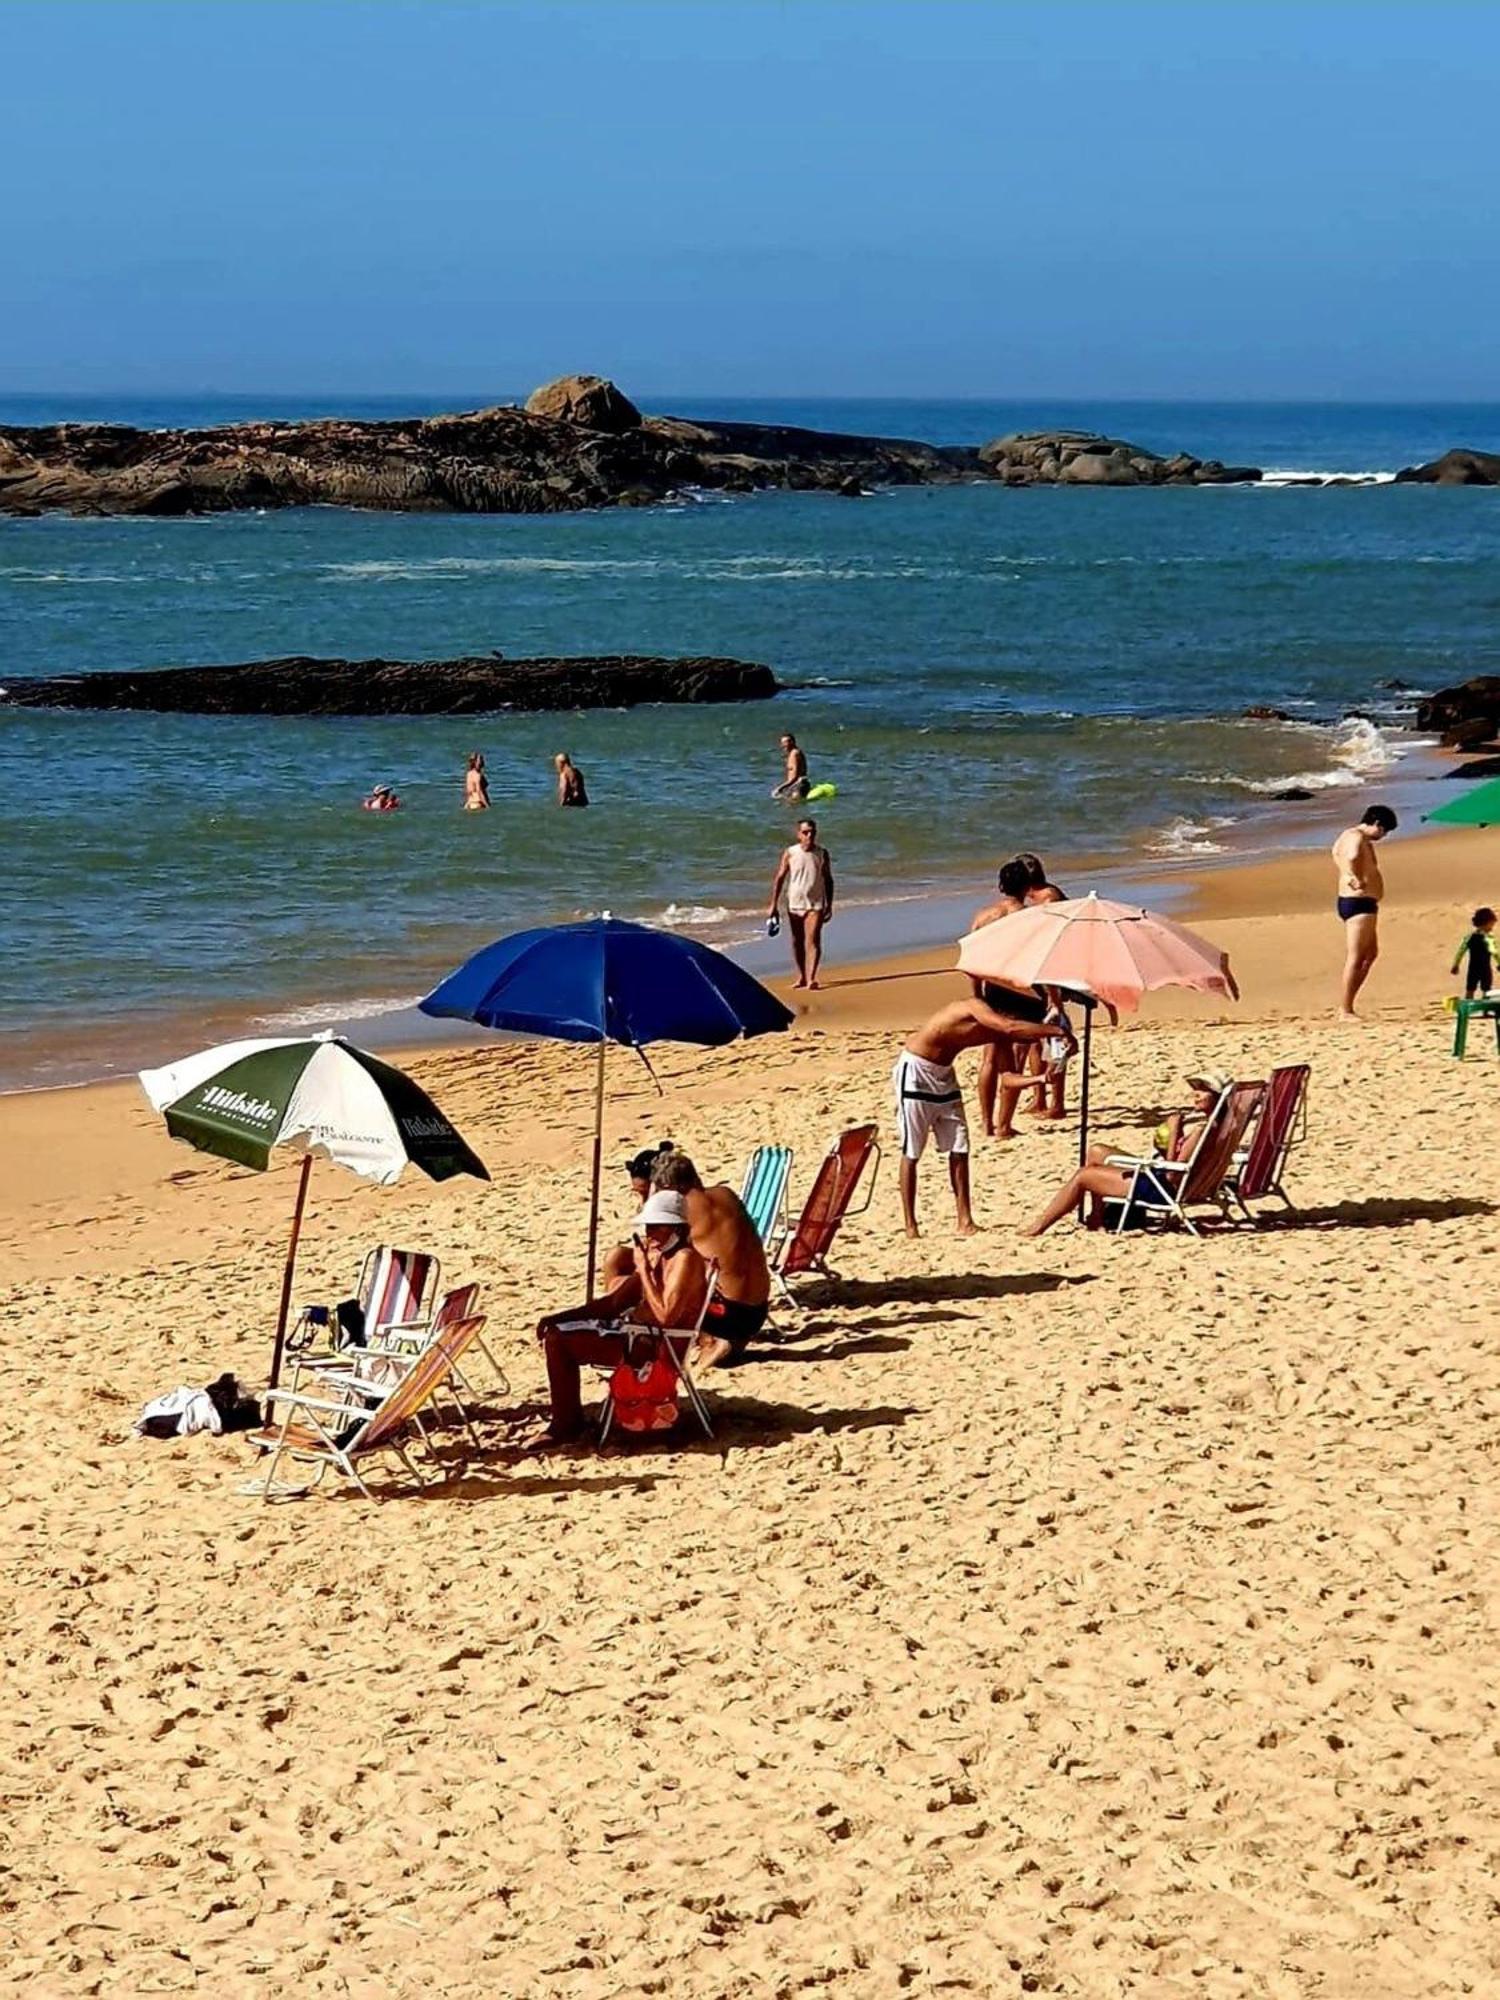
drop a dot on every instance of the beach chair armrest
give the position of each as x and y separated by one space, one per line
301 1402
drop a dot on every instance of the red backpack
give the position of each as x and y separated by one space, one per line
645 1393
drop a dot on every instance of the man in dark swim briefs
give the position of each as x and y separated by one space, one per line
1360 889
723 1235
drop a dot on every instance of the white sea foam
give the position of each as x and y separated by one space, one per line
326 1014
1190 836
1294 475
694 916
1360 750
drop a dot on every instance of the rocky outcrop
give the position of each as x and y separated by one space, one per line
478 686
588 400
1459 467
1083 458
584 445
1457 713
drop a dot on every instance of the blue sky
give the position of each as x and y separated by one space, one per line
1215 200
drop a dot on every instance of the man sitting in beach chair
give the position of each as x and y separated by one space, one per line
1098 1181
723 1235
667 1288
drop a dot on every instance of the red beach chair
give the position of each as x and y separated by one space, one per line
828 1205
1282 1125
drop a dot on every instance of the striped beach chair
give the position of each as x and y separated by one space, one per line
764 1193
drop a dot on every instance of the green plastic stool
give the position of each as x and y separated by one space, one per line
1463 1012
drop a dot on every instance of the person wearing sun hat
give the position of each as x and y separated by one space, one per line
1099 1182
666 1287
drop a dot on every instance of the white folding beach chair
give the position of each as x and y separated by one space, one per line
1164 1190
352 1417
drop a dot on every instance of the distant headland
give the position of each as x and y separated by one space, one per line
579 442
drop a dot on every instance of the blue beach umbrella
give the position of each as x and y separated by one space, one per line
607 981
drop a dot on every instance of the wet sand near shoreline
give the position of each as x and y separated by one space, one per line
1075 1617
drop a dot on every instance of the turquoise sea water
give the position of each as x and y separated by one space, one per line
976 669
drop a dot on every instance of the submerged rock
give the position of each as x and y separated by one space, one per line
473 686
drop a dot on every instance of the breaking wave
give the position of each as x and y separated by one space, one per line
1296 475
1183 837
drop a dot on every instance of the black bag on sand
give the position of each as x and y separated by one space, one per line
236 1412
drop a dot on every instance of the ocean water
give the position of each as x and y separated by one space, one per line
976 669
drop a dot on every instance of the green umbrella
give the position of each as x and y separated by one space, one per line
1480 807
322 1094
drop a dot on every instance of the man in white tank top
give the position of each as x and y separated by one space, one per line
806 874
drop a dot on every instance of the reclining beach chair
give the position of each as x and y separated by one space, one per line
655 1342
395 1289
764 1193
393 1297
1282 1124
404 1339
828 1206
459 1303
1164 1190
350 1419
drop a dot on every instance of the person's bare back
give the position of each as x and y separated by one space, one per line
968 1024
723 1234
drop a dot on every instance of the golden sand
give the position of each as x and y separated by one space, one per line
1083 1617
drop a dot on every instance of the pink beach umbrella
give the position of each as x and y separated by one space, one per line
1100 950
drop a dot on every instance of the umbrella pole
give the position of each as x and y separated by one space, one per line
291 1265
598 1161
1083 1096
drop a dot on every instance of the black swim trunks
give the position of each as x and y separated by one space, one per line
1356 906
735 1322
1020 1006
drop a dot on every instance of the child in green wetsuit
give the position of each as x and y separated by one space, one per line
1478 949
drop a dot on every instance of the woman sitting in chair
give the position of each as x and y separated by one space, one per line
666 1287
1174 1139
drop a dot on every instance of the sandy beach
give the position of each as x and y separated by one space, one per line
1080 1616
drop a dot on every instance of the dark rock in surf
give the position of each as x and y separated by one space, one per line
479 686
579 443
1469 701
1474 734
1459 467
1477 767
1085 458
1294 794
1261 714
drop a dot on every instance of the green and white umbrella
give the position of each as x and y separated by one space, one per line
320 1094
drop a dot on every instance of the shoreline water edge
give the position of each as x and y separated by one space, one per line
1187 866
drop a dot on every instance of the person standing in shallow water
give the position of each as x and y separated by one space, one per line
571 790
476 784
794 781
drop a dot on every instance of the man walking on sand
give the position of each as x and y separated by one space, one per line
929 1103
806 872
1360 890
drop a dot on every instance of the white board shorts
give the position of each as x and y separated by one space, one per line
929 1105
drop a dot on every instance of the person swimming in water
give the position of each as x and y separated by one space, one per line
571 790
381 800
476 784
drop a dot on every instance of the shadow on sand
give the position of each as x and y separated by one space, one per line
940 1288
1379 1212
